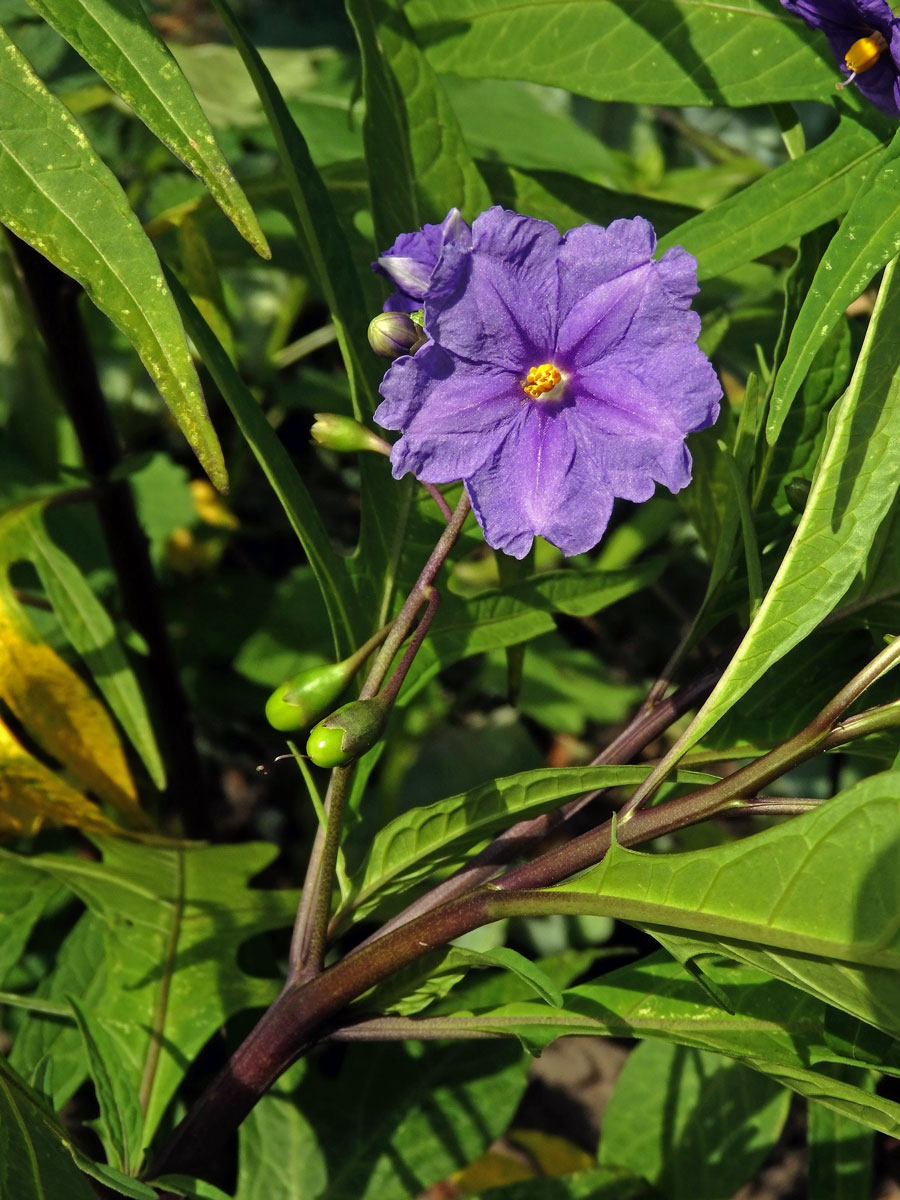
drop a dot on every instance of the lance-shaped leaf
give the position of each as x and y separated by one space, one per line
420 165
31 794
856 480
657 52
435 836
768 1025
60 712
791 200
85 623
56 194
120 44
867 238
36 1162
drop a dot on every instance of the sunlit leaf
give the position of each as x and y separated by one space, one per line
56 194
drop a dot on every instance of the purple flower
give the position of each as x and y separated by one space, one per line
560 372
410 262
864 36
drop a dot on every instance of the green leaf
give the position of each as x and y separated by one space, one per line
298 504
91 632
568 200
865 241
768 900
420 166
855 484
767 1025
785 203
323 239
425 839
120 1113
36 1162
56 194
664 52
122 1185
167 990
692 1123
493 620
24 894
120 44
395 1119
840 1149
80 970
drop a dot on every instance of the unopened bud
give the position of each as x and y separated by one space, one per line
348 733
335 432
796 491
393 334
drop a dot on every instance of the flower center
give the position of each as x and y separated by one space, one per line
863 54
541 382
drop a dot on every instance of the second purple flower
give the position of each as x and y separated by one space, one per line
560 372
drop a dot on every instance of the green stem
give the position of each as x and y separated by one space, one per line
308 942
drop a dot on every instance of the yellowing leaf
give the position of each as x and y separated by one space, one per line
31 794
61 714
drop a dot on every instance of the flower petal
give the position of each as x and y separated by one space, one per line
452 413
538 482
496 302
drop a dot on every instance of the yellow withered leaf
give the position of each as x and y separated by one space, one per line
32 795
58 710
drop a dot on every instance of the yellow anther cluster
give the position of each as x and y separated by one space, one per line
541 380
865 53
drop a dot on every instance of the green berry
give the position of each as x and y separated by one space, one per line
347 733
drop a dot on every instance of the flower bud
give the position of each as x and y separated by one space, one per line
303 699
392 334
335 432
796 491
348 733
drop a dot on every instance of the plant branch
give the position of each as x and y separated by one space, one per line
525 836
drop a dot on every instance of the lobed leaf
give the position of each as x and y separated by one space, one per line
165 992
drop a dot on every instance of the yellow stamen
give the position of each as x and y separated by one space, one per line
541 380
862 55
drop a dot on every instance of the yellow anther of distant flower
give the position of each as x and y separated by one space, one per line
541 380
862 55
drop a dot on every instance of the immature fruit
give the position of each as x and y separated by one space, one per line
303 699
347 733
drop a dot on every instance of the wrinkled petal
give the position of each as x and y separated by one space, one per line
617 325
452 413
537 482
410 262
500 303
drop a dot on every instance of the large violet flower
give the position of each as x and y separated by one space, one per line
560 372
864 36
